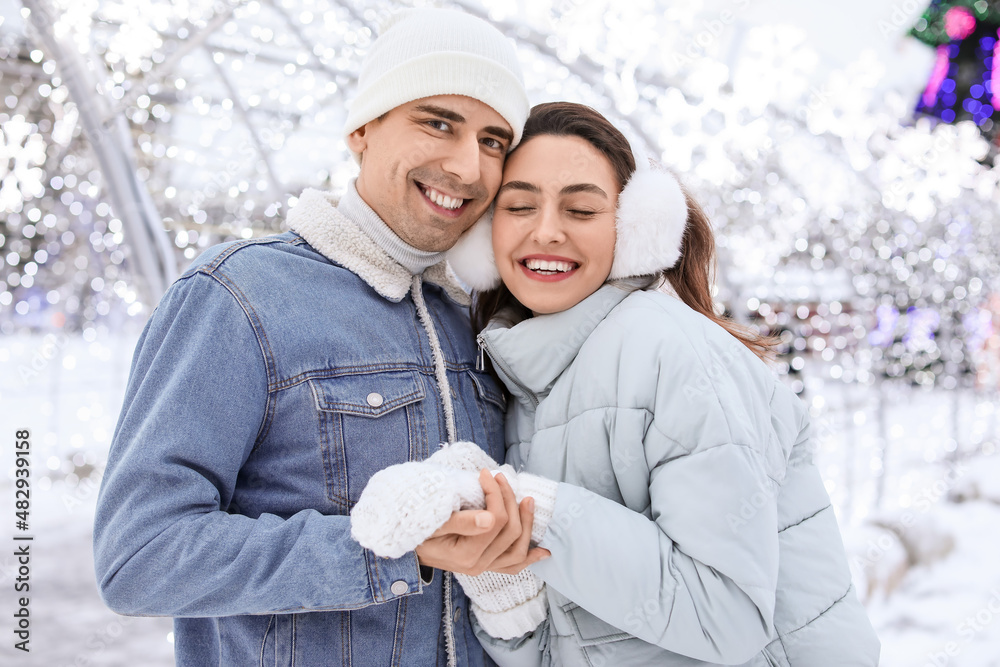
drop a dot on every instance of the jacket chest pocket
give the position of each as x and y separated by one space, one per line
367 422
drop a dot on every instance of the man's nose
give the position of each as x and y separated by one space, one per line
463 158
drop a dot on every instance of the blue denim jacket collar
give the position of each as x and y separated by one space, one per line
316 219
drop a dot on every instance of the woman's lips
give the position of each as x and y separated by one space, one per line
547 278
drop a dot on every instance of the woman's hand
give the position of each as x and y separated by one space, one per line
497 538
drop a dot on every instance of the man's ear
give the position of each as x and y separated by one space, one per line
357 140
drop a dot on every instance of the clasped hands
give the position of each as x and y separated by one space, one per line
496 538
457 509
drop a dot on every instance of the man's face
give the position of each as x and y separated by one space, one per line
431 167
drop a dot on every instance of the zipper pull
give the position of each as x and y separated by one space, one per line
481 359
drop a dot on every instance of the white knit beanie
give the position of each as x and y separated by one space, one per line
426 52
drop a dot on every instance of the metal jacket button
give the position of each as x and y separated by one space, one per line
375 400
399 587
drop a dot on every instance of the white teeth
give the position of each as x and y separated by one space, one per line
548 266
442 200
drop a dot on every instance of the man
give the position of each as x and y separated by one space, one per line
278 374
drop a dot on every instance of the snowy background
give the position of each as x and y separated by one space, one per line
860 233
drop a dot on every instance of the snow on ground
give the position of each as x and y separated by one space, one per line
928 552
70 626
67 392
948 612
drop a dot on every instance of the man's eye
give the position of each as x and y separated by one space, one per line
439 125
493 143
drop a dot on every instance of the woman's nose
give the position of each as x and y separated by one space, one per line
548 226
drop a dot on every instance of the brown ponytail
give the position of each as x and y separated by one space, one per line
692 279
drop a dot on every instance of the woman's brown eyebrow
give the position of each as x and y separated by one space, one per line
567 190
583 187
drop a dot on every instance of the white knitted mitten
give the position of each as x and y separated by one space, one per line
541 489
469 456
404 504
506 605
463 455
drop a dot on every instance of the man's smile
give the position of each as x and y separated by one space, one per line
442 203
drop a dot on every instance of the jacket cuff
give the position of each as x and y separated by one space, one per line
392 578
513 622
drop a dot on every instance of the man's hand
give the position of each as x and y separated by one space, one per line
497 538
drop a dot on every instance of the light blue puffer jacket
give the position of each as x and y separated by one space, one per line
691 527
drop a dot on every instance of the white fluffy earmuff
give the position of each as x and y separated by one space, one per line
471 258
652 214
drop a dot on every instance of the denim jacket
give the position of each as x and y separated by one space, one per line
272 380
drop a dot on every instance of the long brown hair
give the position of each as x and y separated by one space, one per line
691 277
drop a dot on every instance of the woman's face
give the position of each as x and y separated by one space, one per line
554 222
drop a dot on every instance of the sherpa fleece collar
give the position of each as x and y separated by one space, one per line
316 219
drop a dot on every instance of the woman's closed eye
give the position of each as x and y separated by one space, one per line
518 208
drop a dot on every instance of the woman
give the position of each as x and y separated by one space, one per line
671 471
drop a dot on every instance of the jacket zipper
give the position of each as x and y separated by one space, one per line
484 345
